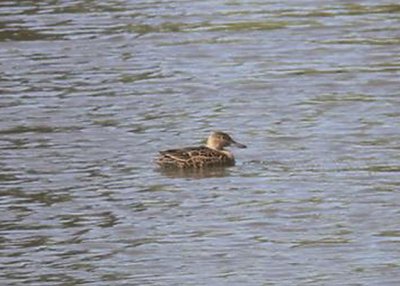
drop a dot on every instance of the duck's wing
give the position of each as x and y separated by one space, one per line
193 157
188 153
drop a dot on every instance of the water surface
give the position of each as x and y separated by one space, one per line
91 91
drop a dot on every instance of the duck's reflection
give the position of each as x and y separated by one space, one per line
214 172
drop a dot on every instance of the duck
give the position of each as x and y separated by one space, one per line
212 154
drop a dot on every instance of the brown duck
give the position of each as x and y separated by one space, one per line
211 155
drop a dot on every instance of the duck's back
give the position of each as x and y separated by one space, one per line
194 157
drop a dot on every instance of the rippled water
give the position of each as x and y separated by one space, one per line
91 90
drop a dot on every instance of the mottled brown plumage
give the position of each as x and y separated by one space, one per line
211 155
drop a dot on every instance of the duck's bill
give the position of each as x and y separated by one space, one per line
239 145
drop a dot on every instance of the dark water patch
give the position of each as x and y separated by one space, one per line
341 98
328 12
25 143
203 41
387 141
10 102
248 26
11 226
342 70
19 34
47 198
141 76
20 129
155 188
25 129
32 242
330 242
359 169
142 241
360 9
77 7
50 278
99 219
106 122
383 168
389 233
195 173
363 41
7 177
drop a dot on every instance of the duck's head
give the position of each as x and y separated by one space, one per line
218 140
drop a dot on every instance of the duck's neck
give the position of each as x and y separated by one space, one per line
215 147
214 144
222 150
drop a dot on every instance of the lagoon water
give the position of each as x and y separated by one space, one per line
91 90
